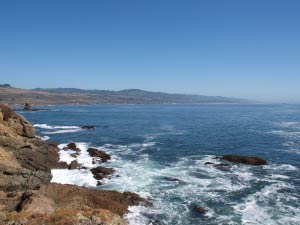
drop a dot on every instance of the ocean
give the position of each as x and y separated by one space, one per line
160 151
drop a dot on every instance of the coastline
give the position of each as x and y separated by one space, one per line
27 193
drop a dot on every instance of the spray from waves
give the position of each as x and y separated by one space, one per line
82 177
49 127
288 125
237 195
57 129
230 195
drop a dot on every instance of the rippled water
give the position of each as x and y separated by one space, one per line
153 144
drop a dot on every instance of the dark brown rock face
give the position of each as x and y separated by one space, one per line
74 165
100 154
27 107
102 172
244 159
76 198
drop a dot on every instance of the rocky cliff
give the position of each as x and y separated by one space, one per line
26 194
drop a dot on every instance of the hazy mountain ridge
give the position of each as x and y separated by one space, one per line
141 95
40 96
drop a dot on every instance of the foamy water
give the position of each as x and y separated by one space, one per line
160 153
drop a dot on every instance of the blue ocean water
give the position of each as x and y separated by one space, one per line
153 144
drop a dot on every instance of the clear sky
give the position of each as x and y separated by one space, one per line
235 48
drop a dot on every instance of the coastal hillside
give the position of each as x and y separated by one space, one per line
40 96
27 196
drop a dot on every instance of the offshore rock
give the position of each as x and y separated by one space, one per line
249 160
100 154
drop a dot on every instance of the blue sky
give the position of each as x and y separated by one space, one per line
236 48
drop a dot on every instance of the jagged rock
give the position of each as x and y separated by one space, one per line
101 172
77 198
62 165
100 154
1 116
74 165
7 112
53 143
72 146
88 127
209 163
250 160
27 107
173 179
200 210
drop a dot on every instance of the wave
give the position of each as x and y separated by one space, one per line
200 184
289 125
49 127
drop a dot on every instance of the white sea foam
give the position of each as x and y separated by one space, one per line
44 138
288 124
57 129
49 127
81 177
199 184
62 131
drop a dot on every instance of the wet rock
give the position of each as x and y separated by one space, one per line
53 143
87 127
72 146
221 165
62 165
173 179
102 172
209 163
27 107
201 210
249 160
100 154
74 165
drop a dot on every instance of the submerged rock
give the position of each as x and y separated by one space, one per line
201 210
249 160
100 154
87 127
173 179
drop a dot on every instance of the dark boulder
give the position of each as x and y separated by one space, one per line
87 127
74 165
100 154
102 172
173 179
72 146
27 107
201 210
249 160
62 165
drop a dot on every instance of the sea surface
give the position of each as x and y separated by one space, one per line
160 151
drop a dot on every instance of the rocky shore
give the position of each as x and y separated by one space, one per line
28 198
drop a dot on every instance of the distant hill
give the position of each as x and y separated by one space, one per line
40 96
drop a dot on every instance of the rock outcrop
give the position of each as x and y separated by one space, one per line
250 160
26 195
104 157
